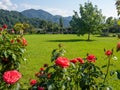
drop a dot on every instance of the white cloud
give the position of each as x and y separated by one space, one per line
29 6
7 5
56 11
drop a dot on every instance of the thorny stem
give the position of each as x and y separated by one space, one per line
107 69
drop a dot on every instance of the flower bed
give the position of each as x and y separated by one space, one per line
75 74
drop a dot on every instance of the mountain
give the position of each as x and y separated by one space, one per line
44 15
11 17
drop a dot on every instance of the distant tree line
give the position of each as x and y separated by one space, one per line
89 21
36 25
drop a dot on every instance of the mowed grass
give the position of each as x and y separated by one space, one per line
40 47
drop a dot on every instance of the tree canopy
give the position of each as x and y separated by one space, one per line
89 21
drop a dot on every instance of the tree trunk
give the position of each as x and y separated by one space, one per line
88 36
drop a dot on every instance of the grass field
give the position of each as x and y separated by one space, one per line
40 47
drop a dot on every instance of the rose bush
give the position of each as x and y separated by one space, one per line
12 49
74 74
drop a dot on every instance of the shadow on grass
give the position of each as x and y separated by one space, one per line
70 40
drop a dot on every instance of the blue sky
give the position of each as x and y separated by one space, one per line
59 7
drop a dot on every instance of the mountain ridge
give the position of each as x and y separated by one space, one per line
44 15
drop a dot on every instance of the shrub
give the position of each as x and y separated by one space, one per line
12 48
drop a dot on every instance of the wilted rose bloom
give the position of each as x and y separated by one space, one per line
62 62
108 52
48 75
33 82
18 40
45 65
11 77
24 42
12 41
74 60
41 88
37 74
4 26
91 58
80 60
118 47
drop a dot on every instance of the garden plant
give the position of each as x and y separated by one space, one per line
75 74
12 49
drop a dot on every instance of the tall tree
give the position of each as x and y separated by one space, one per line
89 21
118 6
61 24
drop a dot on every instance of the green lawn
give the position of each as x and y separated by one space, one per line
40 47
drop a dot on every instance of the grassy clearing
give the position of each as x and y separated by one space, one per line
40 47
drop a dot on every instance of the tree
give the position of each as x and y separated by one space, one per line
21 27
109 23
89 21
61 24
118 6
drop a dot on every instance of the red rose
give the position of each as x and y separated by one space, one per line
74 61
41 69
1 29
118 46
33 82
91 58
24 42
108 52
11 77
4 26
80 60
41 88
12 41
62 62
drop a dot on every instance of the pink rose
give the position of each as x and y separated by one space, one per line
11 77
108 52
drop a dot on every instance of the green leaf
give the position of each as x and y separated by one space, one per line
14 56
104 66
5 54
118 74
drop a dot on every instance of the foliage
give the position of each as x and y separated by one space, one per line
12 48
78 73
118 6
90 20
21 27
